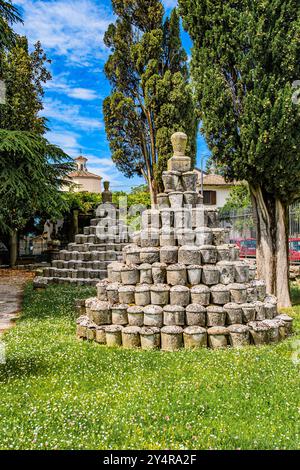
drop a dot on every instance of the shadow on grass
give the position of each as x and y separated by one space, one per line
16 368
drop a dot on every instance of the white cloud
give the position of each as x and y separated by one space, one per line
61 85
68 141
70 28
82 94
70 114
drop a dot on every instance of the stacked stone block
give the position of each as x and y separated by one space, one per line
181 283
86 260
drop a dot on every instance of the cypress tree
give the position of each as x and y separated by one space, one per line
245 59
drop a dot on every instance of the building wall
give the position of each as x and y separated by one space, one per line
222 193
91 185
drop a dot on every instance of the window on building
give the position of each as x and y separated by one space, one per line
210 197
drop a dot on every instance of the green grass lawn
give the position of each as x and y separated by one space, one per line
58 392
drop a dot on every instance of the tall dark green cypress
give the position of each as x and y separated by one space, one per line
151 97
245 59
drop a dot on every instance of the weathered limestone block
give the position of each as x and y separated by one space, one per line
195 315
223 253
273 332
241 272
145 270
159 294
149 238
129 274
135 316
167 218
200 294
91 331
204 236
234 252
271 299
259 332
194 273
142 295
215 315
210 275
260 310
238 293
133 256
176 275
270 310
220 236
199 217
169 254
100 334
149 255
163 200
239 336
171 338
212 217
131 337
179 295
101 289
218 337
288 321
112 292
190 198
189 254
153 316
181 164
126 294
185 236
189 180
167 237
195 337
88 304
209 254
150 338
249 312
252 272
227 272
251 293
220 294
119 314
150 219
159 273
113 334
81 328
182 218
136 238
234 313
176 199
173 315
281 329
260 287
171 181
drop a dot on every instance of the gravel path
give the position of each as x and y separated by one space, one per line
12 285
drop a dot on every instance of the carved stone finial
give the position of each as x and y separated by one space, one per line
179 141
106 194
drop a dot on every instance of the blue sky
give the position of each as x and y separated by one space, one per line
71 33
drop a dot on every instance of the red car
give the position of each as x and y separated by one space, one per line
294 249
247 248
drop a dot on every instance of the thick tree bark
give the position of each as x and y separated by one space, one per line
272 250
13 248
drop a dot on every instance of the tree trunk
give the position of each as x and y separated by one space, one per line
13 248
271 216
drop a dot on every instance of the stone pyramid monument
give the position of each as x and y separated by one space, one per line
85 261
181 283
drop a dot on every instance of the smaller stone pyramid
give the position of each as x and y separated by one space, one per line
85 261
181 283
